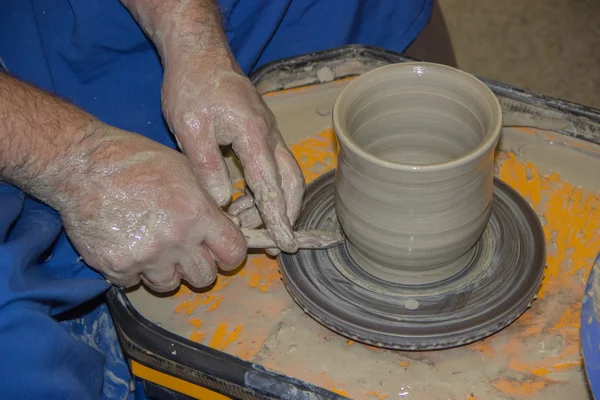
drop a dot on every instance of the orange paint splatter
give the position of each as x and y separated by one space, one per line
483 347
562 366
222 337
238 189
571 224
318 150
404 363
188 306
249 348
349 342
341 392
262 273
380 396
572 219
518 389
191 301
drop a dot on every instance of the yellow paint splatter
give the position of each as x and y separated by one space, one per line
222 337
183 290
196 335
215 304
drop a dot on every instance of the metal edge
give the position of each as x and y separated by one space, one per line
584 120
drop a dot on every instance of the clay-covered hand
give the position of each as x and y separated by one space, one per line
212 104
137 211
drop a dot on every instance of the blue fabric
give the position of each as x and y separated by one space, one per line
57 340
56 336
590 330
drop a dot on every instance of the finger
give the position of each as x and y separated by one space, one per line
236 221
225 242
123 281
292 181
199 269
262 176
240 204
163 287
161 277
250 218
273 252
206 158
119 272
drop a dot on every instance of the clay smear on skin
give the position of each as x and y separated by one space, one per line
571 220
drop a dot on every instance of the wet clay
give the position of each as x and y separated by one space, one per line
315 239
415 176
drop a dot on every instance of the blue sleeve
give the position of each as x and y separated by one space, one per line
51 347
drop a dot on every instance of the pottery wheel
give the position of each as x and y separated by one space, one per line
500 279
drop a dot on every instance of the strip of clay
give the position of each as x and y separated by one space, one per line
315 239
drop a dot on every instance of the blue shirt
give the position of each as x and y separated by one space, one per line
56 337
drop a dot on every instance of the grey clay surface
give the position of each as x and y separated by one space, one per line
414 181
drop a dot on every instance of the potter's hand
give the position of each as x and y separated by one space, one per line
211 106
133 208
208 102
138 212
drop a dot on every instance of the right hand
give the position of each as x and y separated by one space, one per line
136 210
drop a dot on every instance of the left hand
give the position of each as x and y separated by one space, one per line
208 103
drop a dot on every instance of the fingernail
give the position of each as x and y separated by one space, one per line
220 193
289 243
236 221
273 252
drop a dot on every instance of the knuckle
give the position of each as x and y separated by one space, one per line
259 126
119 266
208 164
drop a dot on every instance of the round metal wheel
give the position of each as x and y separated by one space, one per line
499 280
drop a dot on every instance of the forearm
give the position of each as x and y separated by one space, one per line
184 28
41 139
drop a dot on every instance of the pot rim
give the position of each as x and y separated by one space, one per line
490 140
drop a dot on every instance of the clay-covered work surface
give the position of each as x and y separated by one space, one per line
251 315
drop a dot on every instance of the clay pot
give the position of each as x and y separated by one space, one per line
415 171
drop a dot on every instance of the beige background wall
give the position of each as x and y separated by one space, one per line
549 46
